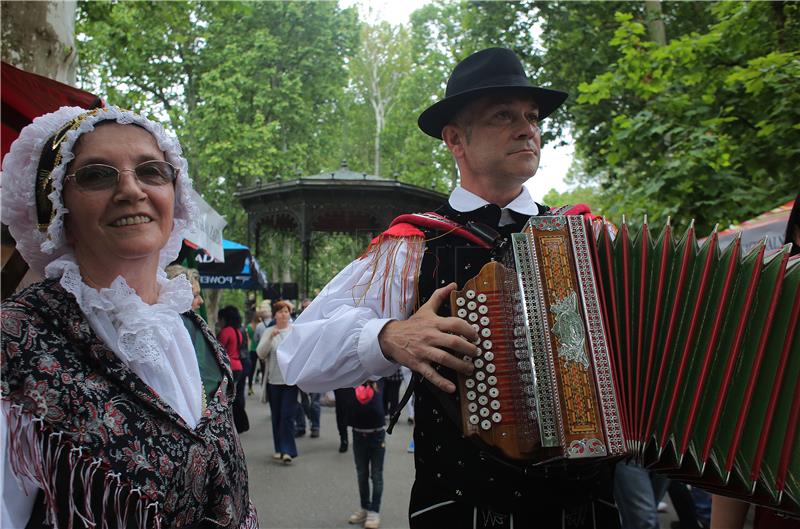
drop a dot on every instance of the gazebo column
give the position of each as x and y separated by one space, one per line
304 228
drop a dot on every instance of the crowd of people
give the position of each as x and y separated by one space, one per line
121 407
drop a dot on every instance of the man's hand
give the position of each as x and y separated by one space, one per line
421 340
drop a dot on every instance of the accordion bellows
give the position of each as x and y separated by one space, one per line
680 354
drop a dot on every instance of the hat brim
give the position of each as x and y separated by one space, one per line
436 116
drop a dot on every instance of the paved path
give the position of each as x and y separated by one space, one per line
319 490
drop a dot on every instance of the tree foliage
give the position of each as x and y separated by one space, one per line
704 127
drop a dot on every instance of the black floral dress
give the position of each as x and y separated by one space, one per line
100 444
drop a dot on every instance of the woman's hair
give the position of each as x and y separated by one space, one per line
191 274
280 305
231 316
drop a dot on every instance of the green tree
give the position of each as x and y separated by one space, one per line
705 127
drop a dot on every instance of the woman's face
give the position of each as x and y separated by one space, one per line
282 317
128 223
197 300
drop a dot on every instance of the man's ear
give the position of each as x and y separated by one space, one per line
454 137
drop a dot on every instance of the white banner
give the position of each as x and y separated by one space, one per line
206 230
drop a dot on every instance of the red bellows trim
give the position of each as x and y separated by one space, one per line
773 401
762 343
733 354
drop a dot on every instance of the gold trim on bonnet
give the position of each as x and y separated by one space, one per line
44 173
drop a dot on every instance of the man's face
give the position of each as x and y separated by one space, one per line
499 139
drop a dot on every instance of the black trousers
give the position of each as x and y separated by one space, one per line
345 399
391 395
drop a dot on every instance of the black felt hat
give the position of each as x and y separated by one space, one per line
480 73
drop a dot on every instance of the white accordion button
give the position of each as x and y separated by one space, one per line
482 298
474 419
470 383
483 400
471 395
467 358
486 332
483 309
470 294
487 344
472 407
481 388
462 313
472 316
494 392
496 417
495 405
490 368
486 424
472 305
492 380
484 321
461 302
478 363
484 412
480 376
476 327
489 356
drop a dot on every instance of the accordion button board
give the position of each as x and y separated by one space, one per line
679 354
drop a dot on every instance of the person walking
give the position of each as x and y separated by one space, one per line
344 402
364 323
253 322
282 397
391 392
369 450
234 340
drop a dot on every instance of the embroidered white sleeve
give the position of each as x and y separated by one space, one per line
334 342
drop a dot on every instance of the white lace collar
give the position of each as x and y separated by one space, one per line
143 332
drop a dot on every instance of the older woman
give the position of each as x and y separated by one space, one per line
107 419
282 397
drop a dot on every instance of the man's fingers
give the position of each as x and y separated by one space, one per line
456 363
438 297
458 326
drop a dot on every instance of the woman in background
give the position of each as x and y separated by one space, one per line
282 398
234 340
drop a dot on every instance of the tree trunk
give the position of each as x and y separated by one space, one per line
211 297
655 22
39 37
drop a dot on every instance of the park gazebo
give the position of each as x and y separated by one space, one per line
341 201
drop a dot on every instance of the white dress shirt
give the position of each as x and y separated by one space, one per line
334 342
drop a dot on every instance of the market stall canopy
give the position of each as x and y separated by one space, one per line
239 271
770 226
26 96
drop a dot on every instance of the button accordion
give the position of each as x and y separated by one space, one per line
677 353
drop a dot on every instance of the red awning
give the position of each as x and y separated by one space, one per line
27 95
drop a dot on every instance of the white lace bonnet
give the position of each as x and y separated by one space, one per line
40 243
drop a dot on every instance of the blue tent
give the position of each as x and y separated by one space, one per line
239 271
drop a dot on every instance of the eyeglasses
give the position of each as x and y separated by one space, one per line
99 176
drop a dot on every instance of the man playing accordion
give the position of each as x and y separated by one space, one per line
364 322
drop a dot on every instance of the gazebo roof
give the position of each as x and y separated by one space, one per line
334 201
